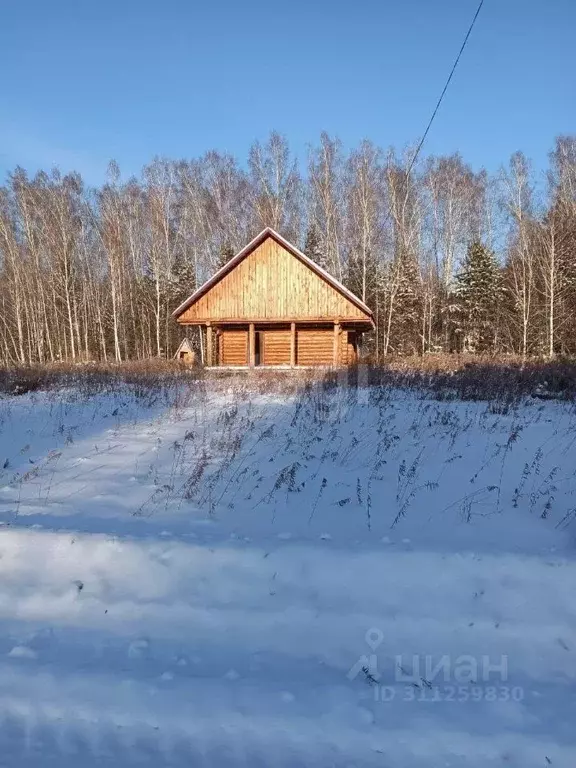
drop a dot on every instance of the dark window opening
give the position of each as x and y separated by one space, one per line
257 346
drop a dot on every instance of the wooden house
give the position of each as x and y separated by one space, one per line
272 305
185 352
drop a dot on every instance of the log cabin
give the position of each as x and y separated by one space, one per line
271 305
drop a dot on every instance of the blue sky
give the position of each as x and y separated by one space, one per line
84 82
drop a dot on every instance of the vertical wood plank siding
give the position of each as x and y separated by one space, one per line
271 283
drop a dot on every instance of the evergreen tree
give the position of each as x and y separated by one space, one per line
180 284
226 253
408 331
313 246
360 275
403 306
477 299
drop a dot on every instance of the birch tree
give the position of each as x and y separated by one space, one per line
518 200
326 206
275 187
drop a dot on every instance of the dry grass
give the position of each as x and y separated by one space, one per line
444 377
94 377
466 377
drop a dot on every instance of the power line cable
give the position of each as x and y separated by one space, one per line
437 107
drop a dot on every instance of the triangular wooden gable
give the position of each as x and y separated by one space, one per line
184 346
270 279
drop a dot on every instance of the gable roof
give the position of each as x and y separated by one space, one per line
184 346
252 245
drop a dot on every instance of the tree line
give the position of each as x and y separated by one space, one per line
448 258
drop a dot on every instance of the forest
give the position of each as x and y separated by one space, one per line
450 259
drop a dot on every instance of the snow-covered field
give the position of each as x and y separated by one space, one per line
215 577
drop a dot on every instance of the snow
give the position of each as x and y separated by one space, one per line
222 576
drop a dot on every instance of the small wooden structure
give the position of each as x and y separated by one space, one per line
185 353
272 305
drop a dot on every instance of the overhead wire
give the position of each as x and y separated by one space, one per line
439 102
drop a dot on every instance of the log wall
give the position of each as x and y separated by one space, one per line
275 346
349 352
233 347
314 346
